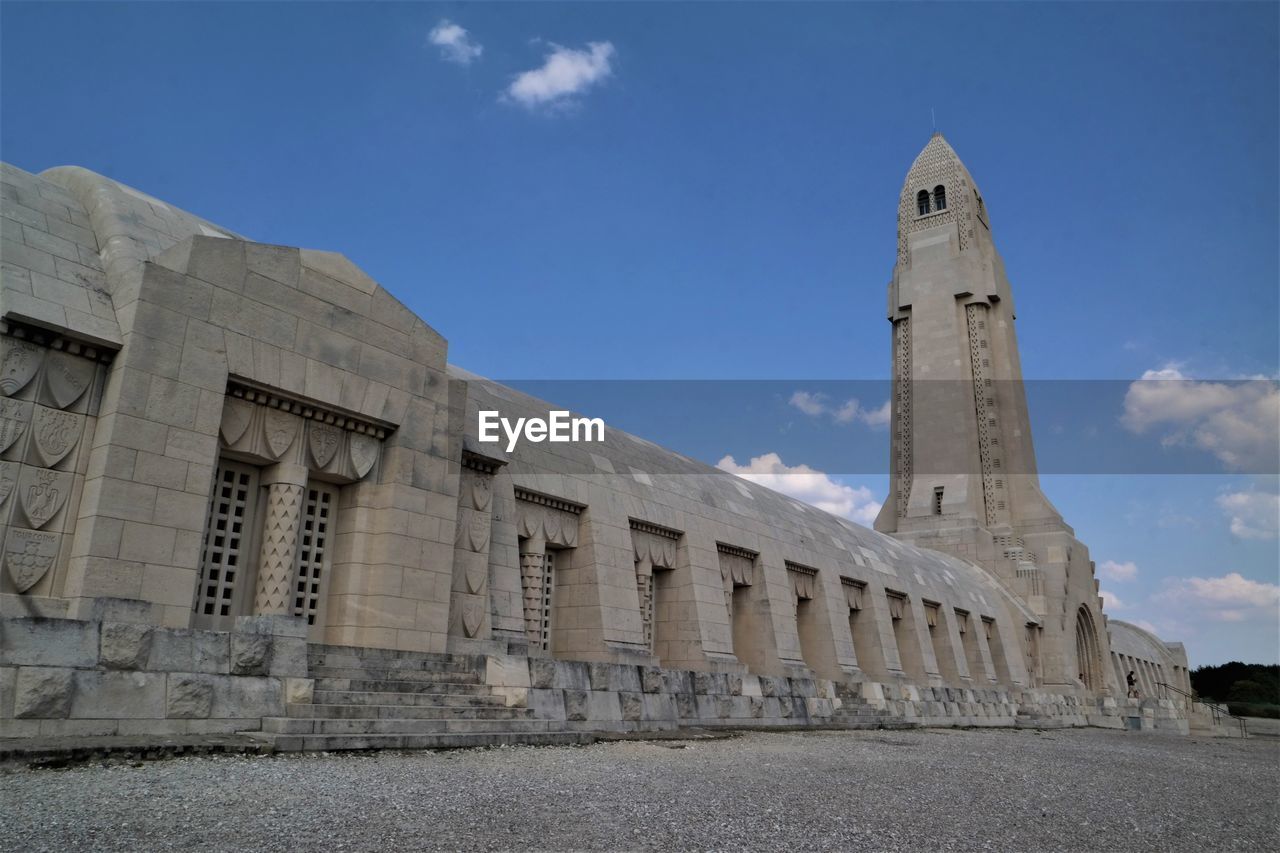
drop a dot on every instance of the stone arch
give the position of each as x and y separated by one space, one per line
1087 651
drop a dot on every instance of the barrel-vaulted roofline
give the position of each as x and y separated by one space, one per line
133 227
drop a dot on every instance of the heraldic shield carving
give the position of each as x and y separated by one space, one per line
42 493
322 440
66 378
8 481
15 417
28 554
55 434
19 363
472 616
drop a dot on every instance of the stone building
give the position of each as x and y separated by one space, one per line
242 489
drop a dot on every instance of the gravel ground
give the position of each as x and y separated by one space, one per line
1085 789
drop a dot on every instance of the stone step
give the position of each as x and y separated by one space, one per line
382 697
347 654
394 664
454 740
385 686
417 712
378 726
376 674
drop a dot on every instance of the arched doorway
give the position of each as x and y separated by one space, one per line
1087 651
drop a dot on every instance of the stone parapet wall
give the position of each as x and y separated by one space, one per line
115 674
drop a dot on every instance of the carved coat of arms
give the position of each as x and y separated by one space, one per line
323 440
66 378
364 452
28 555
15 415
42 493
472 616
280 429
17 366
8 480
55 434
236 414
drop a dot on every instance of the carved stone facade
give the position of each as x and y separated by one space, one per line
51 388
267 433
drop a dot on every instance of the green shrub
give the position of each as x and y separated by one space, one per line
1253 709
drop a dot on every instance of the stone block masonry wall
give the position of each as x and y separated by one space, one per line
115 674
620 698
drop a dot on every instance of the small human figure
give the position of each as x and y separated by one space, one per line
1133 685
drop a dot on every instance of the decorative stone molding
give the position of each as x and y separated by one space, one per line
654 547
803 580
53 341
737 568
271 427
551 520
931 612
523 494
854 592
897 603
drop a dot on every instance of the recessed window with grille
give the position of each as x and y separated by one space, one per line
922 202
314 538
548 589
228 544
937 500
647 616
939 197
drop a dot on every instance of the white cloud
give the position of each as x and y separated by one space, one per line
1238 422
817 404
811 404
1111 601
1228 598
1254 514
455 43
805 484
1113 571
565 72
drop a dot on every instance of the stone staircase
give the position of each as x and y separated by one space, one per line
857 713
385 699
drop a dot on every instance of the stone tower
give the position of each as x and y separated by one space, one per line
963 476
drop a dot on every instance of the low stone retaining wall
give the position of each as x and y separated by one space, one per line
619 697
118 675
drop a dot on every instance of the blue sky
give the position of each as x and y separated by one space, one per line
716 200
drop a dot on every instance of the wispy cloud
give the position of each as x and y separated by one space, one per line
1111 601
1238 422
1254 514
1227 598
1113 571
805 484
565 73
817 404
455 43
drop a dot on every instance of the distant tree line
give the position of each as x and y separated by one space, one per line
1252 683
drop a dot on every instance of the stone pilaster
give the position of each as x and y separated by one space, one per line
286 486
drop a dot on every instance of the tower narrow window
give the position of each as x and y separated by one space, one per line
937 500
922 202
939 197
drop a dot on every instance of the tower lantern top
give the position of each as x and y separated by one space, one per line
939 189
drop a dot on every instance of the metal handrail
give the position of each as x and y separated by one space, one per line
1218 711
